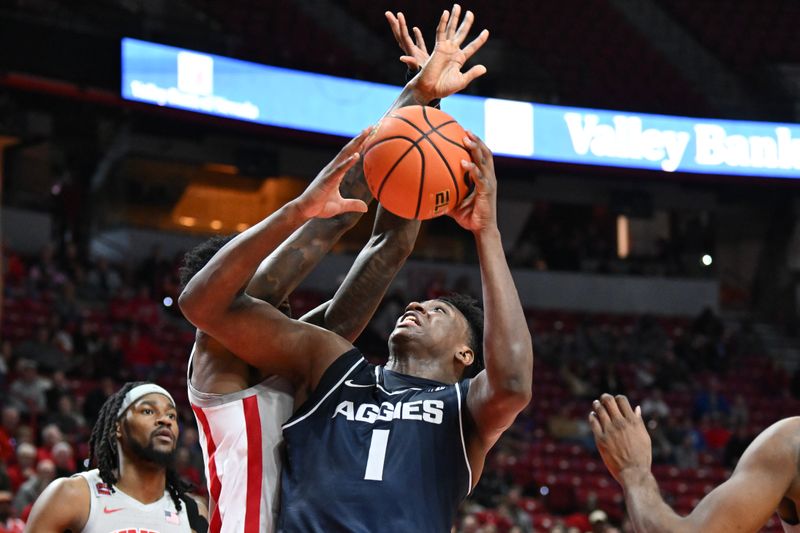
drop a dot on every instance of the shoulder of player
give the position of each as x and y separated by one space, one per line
68 500
71 488
778 445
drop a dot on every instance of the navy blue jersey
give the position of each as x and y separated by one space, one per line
374 450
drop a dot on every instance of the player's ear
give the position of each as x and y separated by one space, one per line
118 429
465 355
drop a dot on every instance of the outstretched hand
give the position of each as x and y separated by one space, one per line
621 436
478 211
441 73
416 53
322 198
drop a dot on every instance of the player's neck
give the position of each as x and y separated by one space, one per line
142 481
426 368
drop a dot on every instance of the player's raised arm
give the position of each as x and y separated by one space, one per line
503 389
393 237
215 302
743 503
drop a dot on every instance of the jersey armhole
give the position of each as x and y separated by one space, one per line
333 377
466 426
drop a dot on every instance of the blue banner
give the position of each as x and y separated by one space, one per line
216 85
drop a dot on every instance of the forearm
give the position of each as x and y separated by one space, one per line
358 297
281 272
508 348
647 509
215 287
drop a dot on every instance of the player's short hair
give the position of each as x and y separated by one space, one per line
473 312
199 256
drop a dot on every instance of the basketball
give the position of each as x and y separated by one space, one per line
412 163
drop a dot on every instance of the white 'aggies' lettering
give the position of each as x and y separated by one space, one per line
432 411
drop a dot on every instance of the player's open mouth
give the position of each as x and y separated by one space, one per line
409 319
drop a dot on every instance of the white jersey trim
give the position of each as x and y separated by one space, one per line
210 399
463 442
338 384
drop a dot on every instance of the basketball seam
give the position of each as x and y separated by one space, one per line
446 163
424 135
414 144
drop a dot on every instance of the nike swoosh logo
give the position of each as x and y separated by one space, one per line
350 383
106 510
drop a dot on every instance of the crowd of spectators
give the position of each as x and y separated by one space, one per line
584 239
75 329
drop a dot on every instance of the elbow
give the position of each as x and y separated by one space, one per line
192 308
517 391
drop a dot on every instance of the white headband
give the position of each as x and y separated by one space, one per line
142 390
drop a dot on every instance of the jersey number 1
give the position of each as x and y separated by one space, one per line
377 455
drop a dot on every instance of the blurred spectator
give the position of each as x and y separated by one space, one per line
24 466
141 353
576 381
598 520
736 446
654 406
185 468
51 436
108 360
516 514
102 281
67 418
44 274
9 422
710 401
64 459
609 379
96 398
40 350
685 453
715 433
740 413
59 386
33 486
8 522
6 352
28 391
565 426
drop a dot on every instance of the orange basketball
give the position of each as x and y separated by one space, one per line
412 163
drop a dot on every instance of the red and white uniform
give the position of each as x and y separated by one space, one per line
116 512
240 434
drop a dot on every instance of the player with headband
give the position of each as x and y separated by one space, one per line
134 486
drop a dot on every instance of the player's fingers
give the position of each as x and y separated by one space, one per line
611 406
475 151
336 175
602 414
353 205
441 28
394 25
452 24
355 145
463 29
420 40
624 407
486 157
594 423
475 72
476 44
407 43
411 62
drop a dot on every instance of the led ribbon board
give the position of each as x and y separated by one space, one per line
221 86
